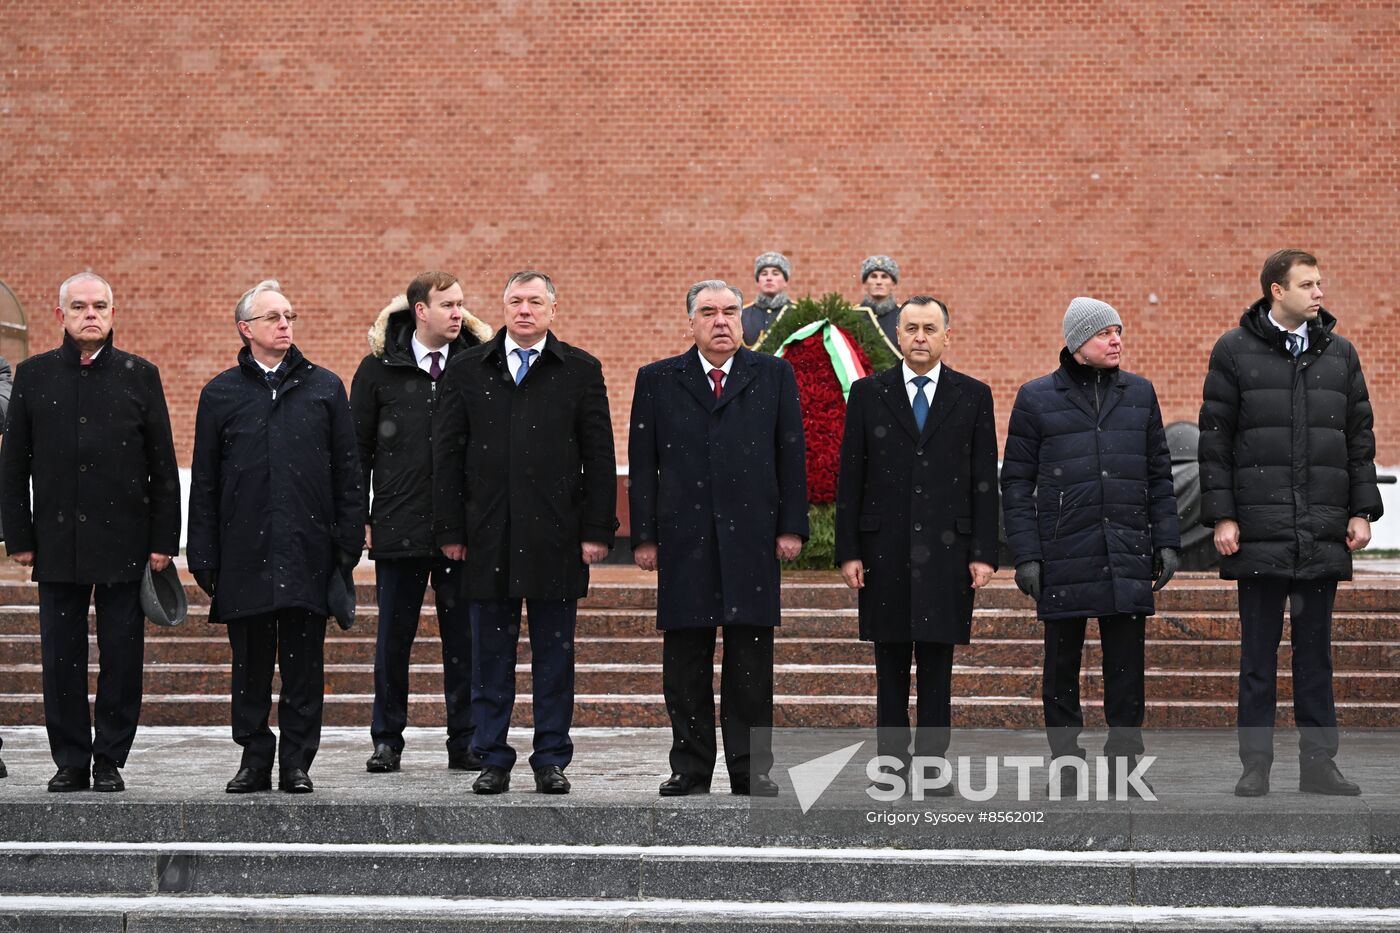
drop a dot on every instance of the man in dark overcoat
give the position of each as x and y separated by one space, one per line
275 508
916 523
6 385
393 396
1091 522
527 496
718 496
88 426
1288 480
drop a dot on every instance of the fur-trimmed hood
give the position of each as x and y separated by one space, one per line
378 334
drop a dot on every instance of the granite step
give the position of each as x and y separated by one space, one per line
1174 654
797 679
216 914
649 710
704 873
1018 623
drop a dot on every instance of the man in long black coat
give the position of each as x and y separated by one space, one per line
6 385
1086 485
88 426
527 496
718 496
1288 480
393 396
275 509
916 522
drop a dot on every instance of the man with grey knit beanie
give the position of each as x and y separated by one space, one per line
1091 522
878 277
771 270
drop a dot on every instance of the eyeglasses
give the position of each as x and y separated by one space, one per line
274 317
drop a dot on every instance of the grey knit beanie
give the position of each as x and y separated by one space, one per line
1084 318
777 261
881 264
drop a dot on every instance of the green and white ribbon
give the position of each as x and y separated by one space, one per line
839 348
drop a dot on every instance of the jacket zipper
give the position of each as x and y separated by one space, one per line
1059 514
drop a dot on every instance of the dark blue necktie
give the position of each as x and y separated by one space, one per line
274 378
525 357
920 400
1295 343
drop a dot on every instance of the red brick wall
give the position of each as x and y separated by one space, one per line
1010 154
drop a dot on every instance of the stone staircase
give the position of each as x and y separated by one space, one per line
823 676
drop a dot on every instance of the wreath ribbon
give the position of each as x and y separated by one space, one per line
838 347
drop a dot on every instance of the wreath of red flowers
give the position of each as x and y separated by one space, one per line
823 413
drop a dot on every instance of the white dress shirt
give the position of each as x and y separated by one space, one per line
1301 331
425 363
932 387
513 358
706 366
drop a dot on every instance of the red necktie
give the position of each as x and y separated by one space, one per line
717 377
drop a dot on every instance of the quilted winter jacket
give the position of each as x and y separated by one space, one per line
1286 449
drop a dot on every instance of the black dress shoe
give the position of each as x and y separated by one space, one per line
384 760
757 785
492 780
250 781
69 779
3 772
294 781
105 776
465 760
683 785
551 780
1254 782
1324 778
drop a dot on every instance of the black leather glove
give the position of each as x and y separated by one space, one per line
1028 578
346 561
1165 564
206 580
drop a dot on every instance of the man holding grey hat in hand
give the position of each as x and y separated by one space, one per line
1091 522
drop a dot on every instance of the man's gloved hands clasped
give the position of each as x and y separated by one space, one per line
1028 578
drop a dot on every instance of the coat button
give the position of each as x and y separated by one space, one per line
918 527
919 452
82 419
82 468
918 489
1105 521
82 518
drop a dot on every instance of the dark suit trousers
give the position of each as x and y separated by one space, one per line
74 736
1123 641
1261 630
893 660
400 584
294 640
746 698
495 637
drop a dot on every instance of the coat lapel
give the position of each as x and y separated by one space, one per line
695 380
1111 399
945 399
897 398
1063 384
740 375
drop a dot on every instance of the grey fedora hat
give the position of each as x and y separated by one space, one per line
163 596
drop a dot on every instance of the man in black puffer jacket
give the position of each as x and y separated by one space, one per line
1288 480
1091 522
393 397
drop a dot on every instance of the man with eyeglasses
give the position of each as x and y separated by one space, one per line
526 495
275 509
718 494
89 428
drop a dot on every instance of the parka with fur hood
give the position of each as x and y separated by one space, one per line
393 403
